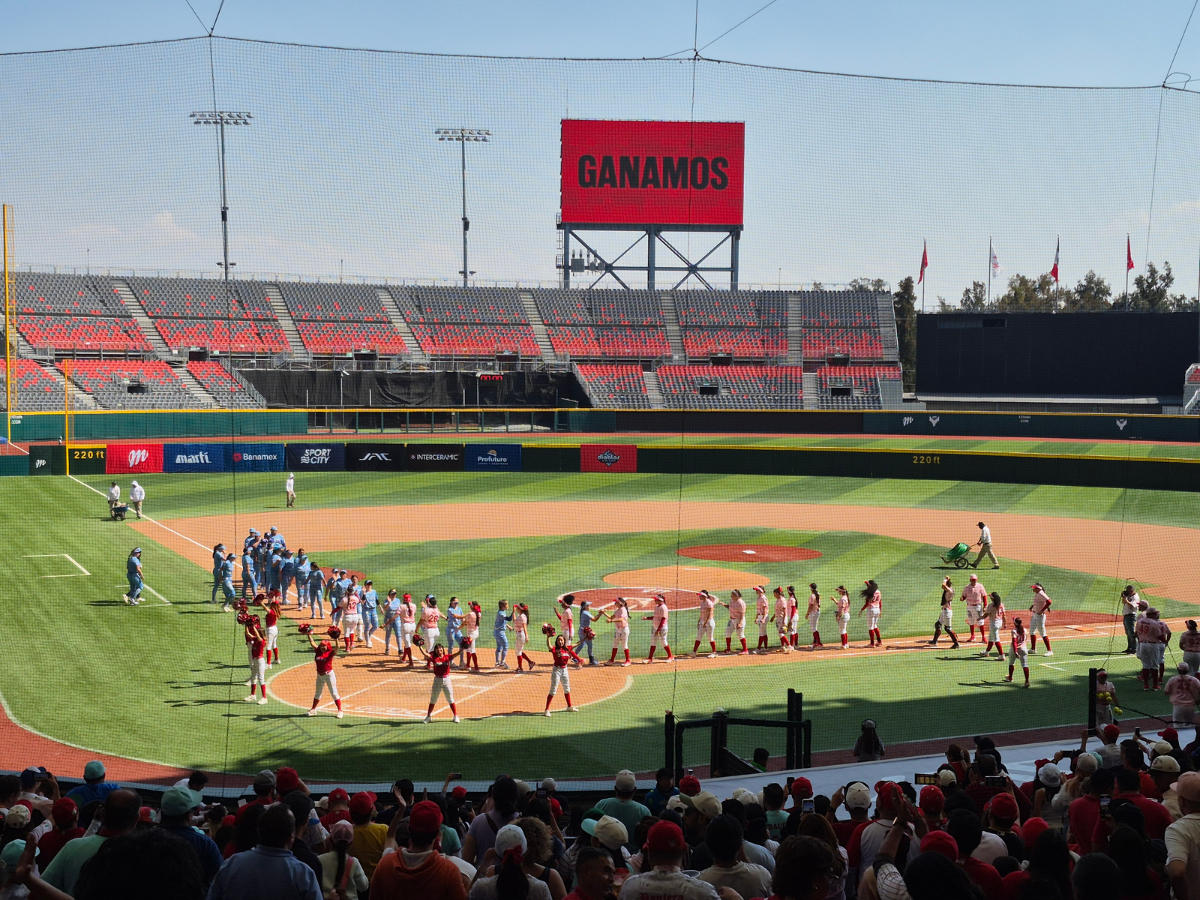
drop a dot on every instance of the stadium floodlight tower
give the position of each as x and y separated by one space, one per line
221 118
464 136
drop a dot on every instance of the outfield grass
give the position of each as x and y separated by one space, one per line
164 682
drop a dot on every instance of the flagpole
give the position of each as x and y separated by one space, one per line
1127 271
924 252
989 290
1057 278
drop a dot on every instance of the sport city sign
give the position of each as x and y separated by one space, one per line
134 459
608 458
329 457
652 173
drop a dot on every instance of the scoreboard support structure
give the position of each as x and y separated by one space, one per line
653 235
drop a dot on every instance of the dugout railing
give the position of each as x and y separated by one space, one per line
721 760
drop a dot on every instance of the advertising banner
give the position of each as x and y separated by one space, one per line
314 457
195 458
134 459
643 173
46 459
493 457
370 457
258 457
608 458
89 460
435 457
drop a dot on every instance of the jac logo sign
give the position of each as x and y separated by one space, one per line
380 457
137 457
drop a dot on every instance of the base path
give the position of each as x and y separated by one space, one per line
1148 554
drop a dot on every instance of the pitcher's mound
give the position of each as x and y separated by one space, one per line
748 553
688 578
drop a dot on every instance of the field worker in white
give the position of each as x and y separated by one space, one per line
137 494
985 547
290 487
114 495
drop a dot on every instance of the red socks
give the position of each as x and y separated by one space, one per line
1033 643
549 697
264 691
743 645
712 646
845 640
816 639
728 641
1047 642
453 709
696 648
651 656
626 655
430 713
568 696
338 701
668 649
613 658
314 706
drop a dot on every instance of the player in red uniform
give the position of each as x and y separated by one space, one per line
563 654
274 610
470 640
1017 651
660 618
256 638
439 660
761 617
619 616
873 606
706 624
326 652
521 634
736 623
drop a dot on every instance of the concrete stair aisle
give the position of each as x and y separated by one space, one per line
812 391
671 326
534 315
795 351
286 323
392 308
887 326
194 387
145 323
80 399
654 390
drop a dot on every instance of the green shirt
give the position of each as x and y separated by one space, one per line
776 819
628 812
64 869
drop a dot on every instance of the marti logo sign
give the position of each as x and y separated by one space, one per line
193 459
137 457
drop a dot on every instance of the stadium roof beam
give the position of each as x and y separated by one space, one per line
463 136
221 118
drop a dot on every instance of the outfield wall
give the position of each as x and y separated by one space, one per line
128 458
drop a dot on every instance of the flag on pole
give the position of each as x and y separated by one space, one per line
996 267
1128 255
1054 268
924 261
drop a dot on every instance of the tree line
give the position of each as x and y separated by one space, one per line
1151 293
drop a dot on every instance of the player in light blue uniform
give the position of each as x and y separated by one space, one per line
499 632
316 592
218 557
274 564
391 621
249 581
251 539
454 620
226 573
370 611
303 568
585 622
287 572
338 583
133 571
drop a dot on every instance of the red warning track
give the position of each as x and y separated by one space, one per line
748 553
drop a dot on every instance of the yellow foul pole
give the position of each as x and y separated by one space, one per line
8 376
67 413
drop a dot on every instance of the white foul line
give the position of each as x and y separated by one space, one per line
48 555
79 567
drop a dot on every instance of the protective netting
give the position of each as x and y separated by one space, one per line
340 172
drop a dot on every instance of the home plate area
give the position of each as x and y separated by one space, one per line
377 687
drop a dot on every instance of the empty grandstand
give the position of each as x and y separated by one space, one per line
630 349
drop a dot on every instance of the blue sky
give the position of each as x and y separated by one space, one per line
845 176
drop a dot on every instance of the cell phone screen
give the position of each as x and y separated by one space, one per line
807 806
920 778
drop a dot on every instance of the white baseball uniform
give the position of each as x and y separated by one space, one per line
1017 649
843 612
737 619
661 615
621 628
706 626
874 610
761 614
1037 610
814 612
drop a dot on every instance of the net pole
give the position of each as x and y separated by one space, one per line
8 381
67 414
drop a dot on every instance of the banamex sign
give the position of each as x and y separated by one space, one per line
652 173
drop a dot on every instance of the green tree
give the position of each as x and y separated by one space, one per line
904 303
1091 294
974 298
1027 294
1152 291
875 285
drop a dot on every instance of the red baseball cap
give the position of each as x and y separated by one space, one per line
940 842
425 817
1032 830
932 800
802 789
1004 806
286 781
665 837
459 793
63 811
362 803
1112 732
690 785
339 795
1169 734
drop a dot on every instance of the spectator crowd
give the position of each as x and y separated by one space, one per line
1115 821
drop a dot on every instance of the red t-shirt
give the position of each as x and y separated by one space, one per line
845 830
272 617
1083 814
52 841
257 646
1156 816
324 660
338 815
562 657
441 666
985 877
